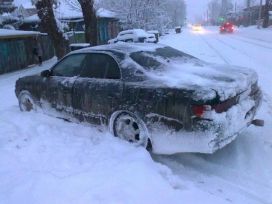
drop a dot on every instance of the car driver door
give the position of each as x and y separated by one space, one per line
98 89
59 85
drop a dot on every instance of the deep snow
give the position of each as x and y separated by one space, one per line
48 160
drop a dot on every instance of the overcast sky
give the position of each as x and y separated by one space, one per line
199 7
196 8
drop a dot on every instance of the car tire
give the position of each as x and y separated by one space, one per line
128 127
26 102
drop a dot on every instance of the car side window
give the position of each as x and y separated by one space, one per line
69 66
101 66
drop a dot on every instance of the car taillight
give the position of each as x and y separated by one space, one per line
199 110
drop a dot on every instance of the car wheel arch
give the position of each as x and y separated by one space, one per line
26 92
117 113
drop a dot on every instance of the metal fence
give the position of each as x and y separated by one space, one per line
17 53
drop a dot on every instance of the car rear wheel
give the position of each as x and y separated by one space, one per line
26 102
128 127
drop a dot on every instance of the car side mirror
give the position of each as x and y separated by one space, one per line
46 73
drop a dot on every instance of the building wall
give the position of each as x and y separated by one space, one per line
107 29
16 53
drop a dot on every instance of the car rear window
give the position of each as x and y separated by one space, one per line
156 59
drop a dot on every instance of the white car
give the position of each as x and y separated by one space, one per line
134 35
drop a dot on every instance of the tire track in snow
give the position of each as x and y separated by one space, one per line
214 178
210 176
255 39
266 97
227 61
239 38
234 48
258 42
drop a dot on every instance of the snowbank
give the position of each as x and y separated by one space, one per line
47 160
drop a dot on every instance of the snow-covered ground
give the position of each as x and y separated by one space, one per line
47 160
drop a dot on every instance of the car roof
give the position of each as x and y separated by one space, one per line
121 47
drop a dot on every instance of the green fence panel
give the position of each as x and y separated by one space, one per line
16 53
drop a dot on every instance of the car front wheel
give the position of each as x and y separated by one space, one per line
26 102
128 127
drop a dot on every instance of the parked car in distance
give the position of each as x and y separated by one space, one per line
156 33
150 95
134 35
178 29
227 28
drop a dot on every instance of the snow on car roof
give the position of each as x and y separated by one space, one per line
134 31
227 81
185 71
125 48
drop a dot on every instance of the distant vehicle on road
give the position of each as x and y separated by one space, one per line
134 35
148 94
197 27
227 28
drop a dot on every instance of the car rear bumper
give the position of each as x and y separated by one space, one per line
210 134
167 142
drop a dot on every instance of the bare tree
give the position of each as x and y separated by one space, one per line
50 25
214 8
90 20
147 14
176 10
267 7
250 3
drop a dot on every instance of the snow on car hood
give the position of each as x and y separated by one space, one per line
226 81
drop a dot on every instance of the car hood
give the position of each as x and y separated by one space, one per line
206 79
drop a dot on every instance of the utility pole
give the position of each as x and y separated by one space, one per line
207 17
248 3
249 11
260 14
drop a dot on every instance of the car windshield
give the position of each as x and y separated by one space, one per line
158 59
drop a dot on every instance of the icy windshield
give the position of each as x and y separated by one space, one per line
158 59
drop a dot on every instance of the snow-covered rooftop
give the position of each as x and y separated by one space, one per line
24 3
6 33
32 19
65 11
104 13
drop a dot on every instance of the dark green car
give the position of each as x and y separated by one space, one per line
150 95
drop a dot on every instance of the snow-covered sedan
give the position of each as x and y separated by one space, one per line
154 96
134 35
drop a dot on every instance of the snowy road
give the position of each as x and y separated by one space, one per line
47 160
243 168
